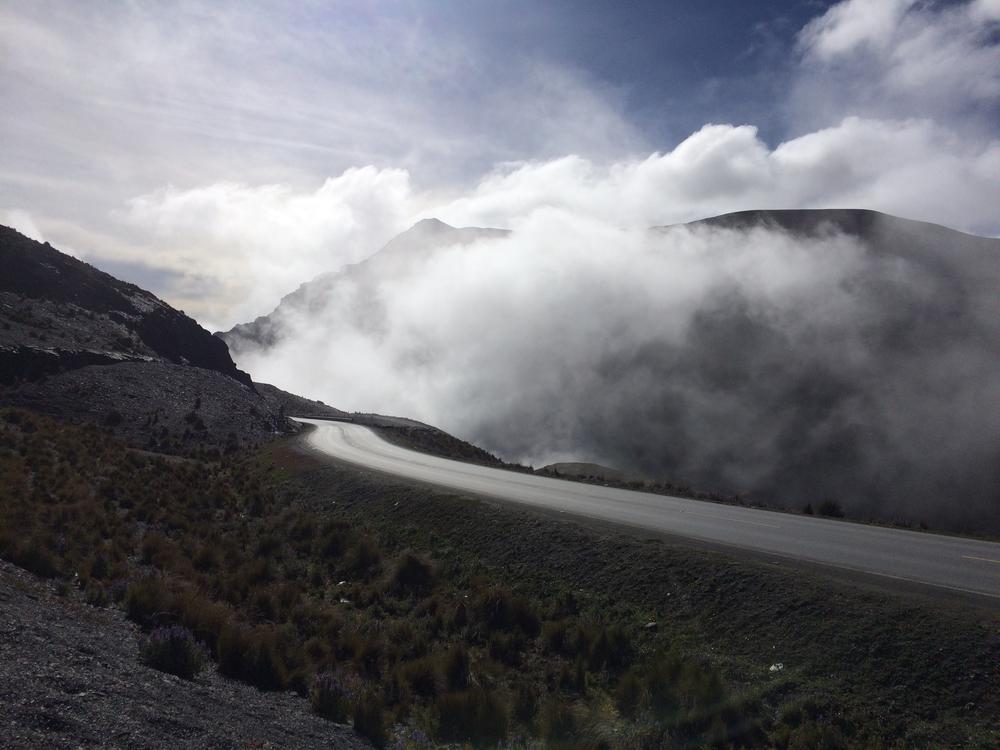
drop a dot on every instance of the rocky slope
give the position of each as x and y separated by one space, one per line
157 405
80 344
292 405
70 676
58 313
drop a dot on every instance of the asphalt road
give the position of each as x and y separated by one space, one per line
944 561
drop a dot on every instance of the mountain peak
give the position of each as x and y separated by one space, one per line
431 225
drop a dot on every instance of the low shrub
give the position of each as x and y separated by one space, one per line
158 550
33 555
422 676
460 617
99 567
558 723
477 715
680 688
332 541
554 636
628 695
612 650
567 638
506 648
498 609
661 686
371 656
525 704
253 656
831 509
365 558
369 719
333 696
205 618
412 574
96 595
147 601
700 688
574 678
457 667
173 649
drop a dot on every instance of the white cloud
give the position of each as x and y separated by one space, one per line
852 24
904 167
518 315
23 222
250 245
913 58
985 10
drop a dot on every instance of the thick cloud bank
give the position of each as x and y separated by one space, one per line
852 357
254 243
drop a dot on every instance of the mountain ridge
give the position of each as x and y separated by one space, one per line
60 313
81 345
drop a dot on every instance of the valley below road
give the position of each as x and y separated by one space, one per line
947 562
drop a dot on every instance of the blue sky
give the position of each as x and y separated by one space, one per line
222 152
675 64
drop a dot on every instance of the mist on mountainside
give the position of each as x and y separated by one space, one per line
787 356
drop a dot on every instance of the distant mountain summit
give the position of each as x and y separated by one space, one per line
807 221
879 229
401 255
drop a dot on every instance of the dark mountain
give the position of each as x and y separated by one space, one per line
80 344
402 255
58 313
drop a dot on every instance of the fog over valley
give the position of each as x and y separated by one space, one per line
789 356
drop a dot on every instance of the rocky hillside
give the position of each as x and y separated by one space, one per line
58 313
292 405
82 345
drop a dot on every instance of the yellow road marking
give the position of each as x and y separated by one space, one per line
984 559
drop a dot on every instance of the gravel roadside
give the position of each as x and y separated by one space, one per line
70 677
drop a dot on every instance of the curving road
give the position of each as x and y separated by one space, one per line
948 562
